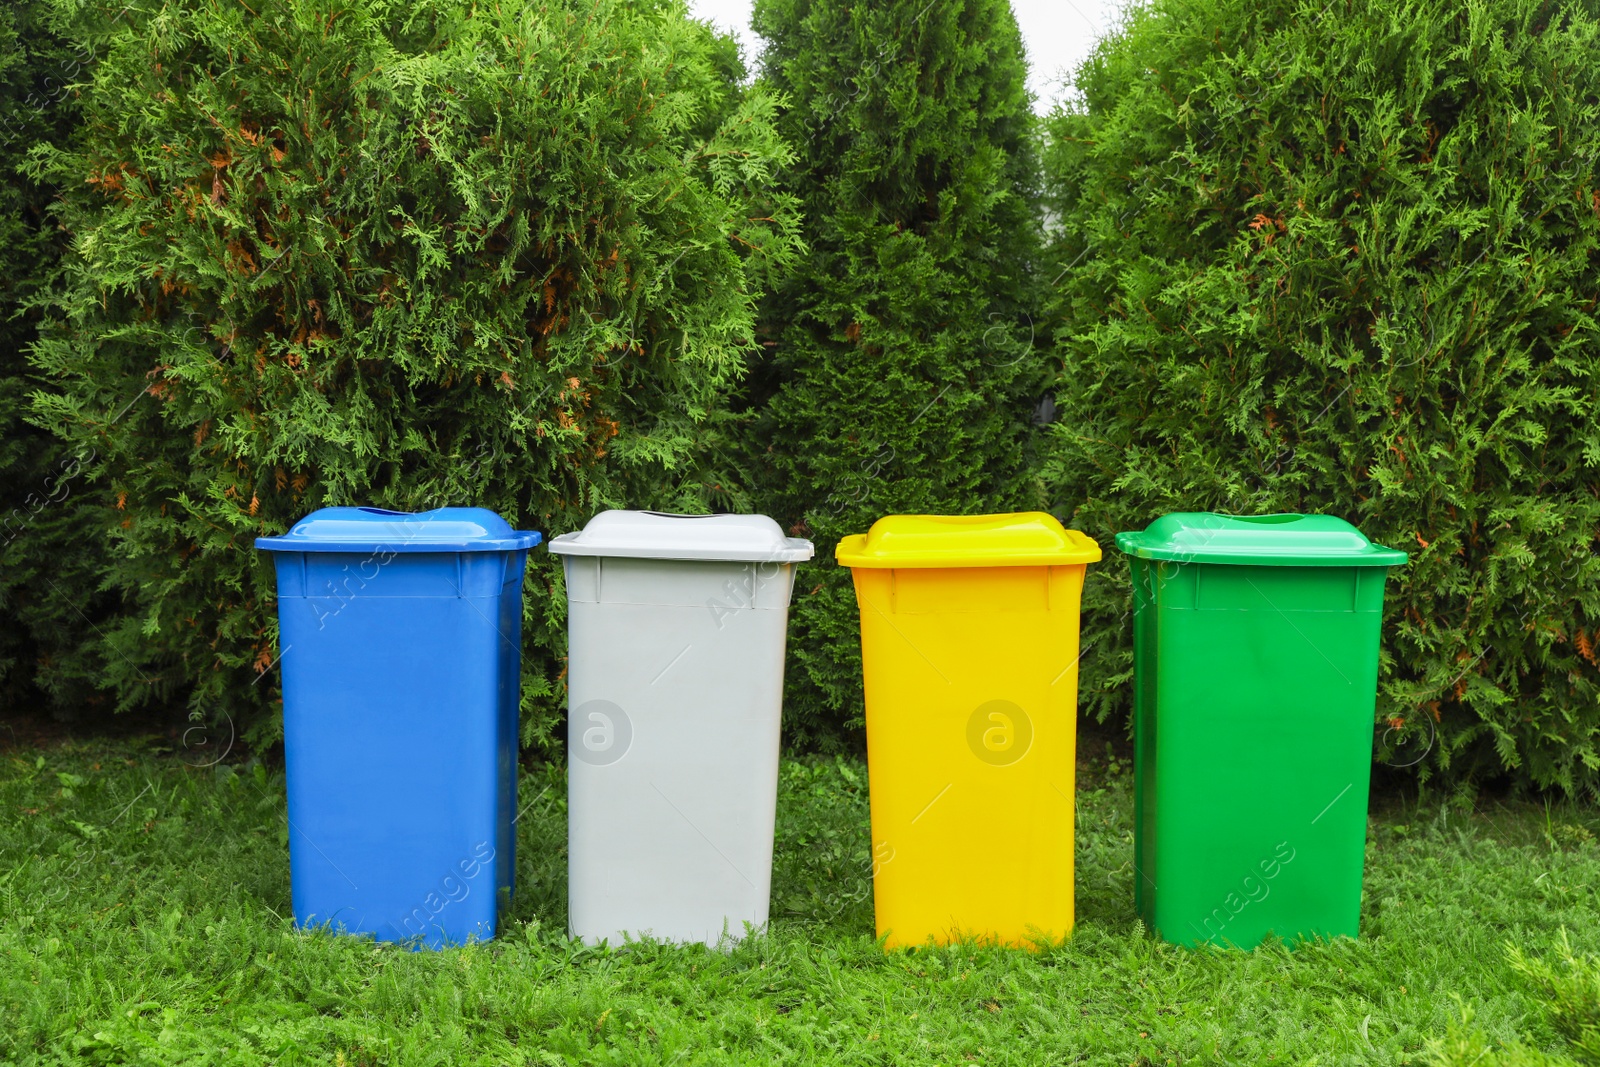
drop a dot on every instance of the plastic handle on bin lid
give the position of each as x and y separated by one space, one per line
375 529
1261 540
1023 539
660 535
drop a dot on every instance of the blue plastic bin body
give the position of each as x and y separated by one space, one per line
399 646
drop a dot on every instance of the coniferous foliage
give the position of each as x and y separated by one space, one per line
406 253
899 372
38 477
1342 257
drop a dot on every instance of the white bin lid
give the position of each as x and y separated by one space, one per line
658 535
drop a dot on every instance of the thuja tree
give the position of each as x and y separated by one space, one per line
407 253
1342 258
899 362
37 476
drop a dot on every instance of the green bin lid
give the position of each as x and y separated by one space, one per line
1259 540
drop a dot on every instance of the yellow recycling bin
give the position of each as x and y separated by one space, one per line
969 644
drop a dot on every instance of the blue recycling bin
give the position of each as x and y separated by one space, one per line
399 647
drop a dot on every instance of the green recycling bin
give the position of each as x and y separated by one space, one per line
1255 679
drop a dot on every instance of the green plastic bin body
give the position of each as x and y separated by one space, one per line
1255 674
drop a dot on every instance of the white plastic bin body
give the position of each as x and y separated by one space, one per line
675 692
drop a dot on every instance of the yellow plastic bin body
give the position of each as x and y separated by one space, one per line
969 644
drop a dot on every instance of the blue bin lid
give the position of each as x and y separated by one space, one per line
367 529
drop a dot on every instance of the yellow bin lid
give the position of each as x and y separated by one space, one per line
1023 539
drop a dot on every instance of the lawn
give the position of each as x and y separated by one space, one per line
146 920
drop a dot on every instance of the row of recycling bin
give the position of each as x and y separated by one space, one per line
1254 672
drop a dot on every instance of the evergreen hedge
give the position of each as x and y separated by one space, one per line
37 477
408 253
1341 257
900 373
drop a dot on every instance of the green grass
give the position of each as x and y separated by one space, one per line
146 907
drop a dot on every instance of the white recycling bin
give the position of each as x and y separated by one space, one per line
676 628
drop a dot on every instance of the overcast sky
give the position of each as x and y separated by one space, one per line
1059 34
